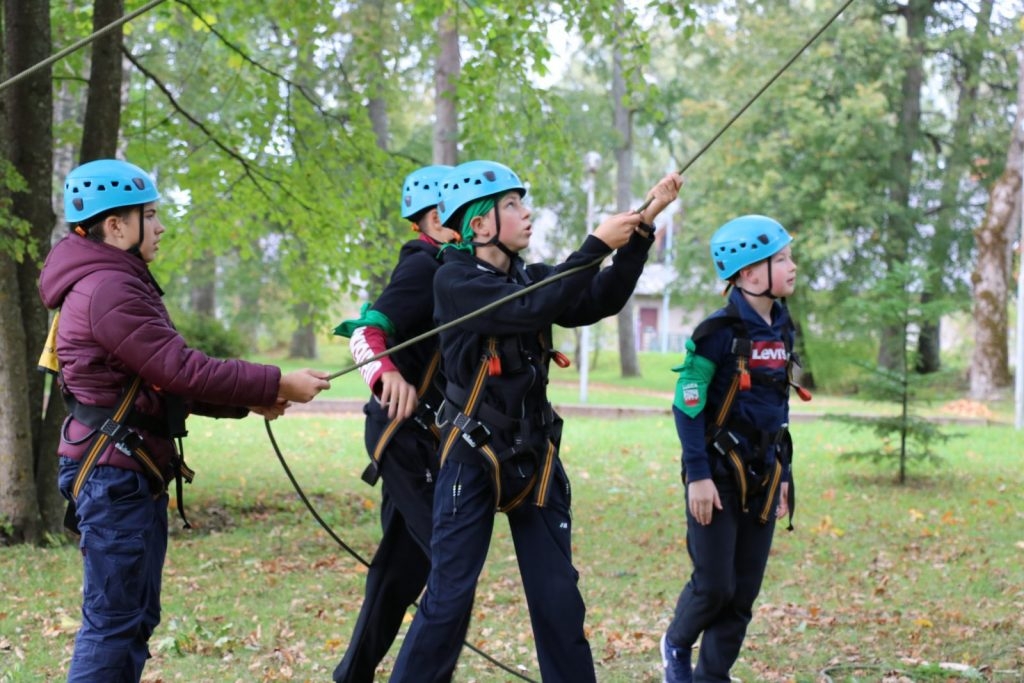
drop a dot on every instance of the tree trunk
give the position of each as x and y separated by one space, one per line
903 217
103 107
20 519
28 501
991 277
202 282
446 116
303 343
957 164
629 364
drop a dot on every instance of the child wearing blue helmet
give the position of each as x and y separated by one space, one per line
128 380
400 435
500 435
731 410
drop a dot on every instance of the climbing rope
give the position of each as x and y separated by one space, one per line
79 45
359 558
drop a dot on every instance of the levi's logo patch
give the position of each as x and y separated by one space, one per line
768 354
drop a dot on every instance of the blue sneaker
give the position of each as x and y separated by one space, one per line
676 661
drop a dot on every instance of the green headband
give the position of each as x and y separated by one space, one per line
478 208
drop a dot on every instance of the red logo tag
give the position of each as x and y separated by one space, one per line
769 354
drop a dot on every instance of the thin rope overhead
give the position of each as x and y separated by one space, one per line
79 45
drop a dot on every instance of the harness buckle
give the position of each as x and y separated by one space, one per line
475 433
111 428
129 442
420 415
725 441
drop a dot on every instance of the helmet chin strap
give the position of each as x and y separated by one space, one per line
496 240
766 293
137 247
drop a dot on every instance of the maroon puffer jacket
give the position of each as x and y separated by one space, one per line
113 326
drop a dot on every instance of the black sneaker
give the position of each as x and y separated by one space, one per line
676 661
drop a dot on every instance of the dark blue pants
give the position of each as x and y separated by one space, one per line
463 521
123 544
400 566
729 558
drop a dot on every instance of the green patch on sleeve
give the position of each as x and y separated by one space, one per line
367 317
695 375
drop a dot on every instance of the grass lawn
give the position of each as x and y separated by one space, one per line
878 581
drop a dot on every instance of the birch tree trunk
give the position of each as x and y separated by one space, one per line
957 164
992 274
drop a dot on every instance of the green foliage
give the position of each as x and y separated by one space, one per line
15 239
908 439
895 304
211 336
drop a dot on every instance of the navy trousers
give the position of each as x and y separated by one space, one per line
123 544
464 514
729 558
399 568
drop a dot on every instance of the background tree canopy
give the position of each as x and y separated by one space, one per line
279 133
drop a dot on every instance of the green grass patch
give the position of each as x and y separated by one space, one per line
878 581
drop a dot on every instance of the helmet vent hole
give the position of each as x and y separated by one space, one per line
87 183
763 238
101 188
78 203
489 175
139 183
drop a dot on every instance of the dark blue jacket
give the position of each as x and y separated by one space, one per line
764 407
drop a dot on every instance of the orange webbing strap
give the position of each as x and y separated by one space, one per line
475 393
546 475
723 414
773 486
103 434
492 458
372 472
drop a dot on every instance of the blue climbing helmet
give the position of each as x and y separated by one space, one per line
744 241
471 181
99 186
420 189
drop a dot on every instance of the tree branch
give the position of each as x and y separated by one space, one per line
252 171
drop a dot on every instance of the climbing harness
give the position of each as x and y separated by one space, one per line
746 464
424 417
118 426
524 467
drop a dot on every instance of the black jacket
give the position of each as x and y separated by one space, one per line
522 327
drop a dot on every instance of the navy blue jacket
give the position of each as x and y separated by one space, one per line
764 407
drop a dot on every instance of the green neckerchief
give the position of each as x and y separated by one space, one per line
367 317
